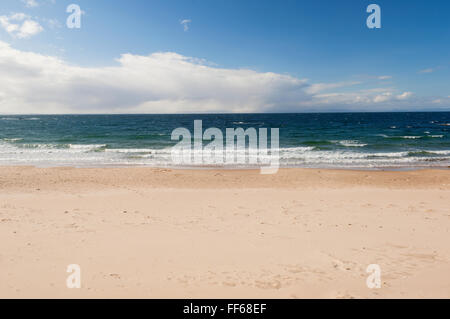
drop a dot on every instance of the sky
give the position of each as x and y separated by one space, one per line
221 56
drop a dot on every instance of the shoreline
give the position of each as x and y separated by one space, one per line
164 233
239 169
116 177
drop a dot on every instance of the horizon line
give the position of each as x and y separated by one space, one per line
219 113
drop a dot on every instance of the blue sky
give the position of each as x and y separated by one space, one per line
326 43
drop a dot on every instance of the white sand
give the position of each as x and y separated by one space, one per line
152 233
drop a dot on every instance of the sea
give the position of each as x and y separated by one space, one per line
397 140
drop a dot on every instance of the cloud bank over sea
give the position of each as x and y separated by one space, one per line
167 82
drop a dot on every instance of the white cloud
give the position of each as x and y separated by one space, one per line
20 25
444 101
158 83
30 3
185 24
168 83
319 87
429 70
404 95
386 96
29 28
372 99
384 77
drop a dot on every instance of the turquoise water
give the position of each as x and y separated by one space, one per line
339 140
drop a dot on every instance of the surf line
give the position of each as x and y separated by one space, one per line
190 150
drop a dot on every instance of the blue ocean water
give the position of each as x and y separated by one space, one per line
335 140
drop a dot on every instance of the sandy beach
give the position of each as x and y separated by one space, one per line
162 233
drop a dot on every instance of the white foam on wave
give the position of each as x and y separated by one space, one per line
12 139
48 147
305 156
52 155
137 150
20 118
351 143
411 137
86 147
441 152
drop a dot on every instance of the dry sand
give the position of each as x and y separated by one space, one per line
156 233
